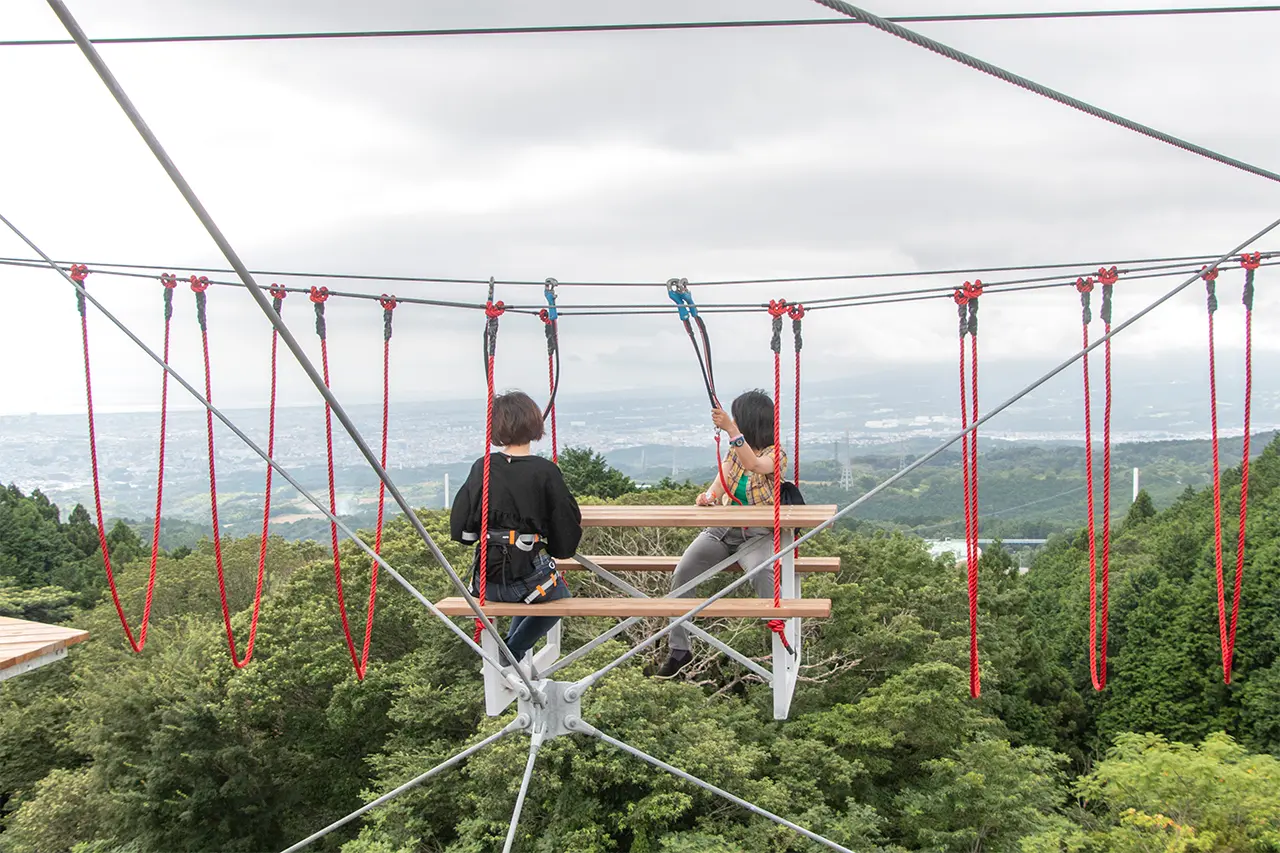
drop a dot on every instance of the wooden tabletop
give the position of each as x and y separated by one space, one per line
21 641
621 608
704 516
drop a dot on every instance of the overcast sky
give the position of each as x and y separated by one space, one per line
618 156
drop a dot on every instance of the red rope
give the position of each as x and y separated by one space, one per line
483 546
199 286
1209 276
777 626
1106 515
358 660
975 686
78 273
720 471
1250 264
551 385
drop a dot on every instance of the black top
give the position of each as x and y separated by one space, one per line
526 494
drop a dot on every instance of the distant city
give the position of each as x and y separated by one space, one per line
905 410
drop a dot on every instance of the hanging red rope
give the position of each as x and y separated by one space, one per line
1210 276
278 293
1097 657
492 311
777 309
78 274
1108 278
199 286
359 660
796 312
966 299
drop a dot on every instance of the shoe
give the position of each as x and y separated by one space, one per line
675 662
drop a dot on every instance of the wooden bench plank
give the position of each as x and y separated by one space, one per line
668 564
21 641
621 608
704 516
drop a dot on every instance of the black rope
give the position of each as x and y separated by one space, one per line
644 27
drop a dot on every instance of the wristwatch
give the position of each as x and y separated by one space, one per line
737 441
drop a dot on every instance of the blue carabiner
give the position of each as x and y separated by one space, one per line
549 291
678 290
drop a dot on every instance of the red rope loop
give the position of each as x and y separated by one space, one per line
199 285
319 295
169 280
388 303
494 310
960 297
1108 276
1251 262
1093 540
796 311
1209 273
1230 645
778 308
777 626
1084 285
278 291
79 272
973 290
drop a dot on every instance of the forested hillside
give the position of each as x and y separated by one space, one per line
174 749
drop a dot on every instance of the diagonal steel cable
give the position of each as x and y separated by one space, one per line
860 14
583 684
113 85
252 445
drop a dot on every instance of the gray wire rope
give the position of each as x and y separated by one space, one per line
973 62
113 85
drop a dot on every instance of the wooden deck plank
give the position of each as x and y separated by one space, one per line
704 516
621 608
21 641
667 564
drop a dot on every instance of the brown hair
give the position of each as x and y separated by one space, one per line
516 419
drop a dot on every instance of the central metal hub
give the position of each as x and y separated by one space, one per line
552 717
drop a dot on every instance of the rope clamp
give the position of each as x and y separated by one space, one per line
1108 276
319 294
199 285
1085 285
549 291
278 291
78 273
388 303
1251 262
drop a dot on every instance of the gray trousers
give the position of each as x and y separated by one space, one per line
713 545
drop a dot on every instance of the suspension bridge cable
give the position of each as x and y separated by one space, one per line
569 29
113 85
156 269
949 52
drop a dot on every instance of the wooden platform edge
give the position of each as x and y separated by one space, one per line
621 608
804 565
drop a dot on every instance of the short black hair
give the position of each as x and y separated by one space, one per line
516 419
753 413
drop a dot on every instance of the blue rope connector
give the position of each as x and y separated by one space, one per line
550 292
678 290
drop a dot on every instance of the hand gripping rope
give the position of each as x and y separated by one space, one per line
966 299
550 322
777 310
359 660
198 286
1098 639
678 291
492 311
79 272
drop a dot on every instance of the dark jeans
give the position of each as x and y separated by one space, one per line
527 630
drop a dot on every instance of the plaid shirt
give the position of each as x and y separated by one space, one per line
759 486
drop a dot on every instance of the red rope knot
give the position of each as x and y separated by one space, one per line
1209 274
319 295
795 311
1108 277
278 291
199 285
1251 262
960 297
1085 285
545 316
494 310
79 272
779 627
388 303
974 290
169 280
778 307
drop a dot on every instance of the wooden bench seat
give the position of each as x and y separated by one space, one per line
810 515
621 608
668 564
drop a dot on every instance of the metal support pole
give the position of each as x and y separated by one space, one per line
535 744
281 470
578 725
515 725
113 85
